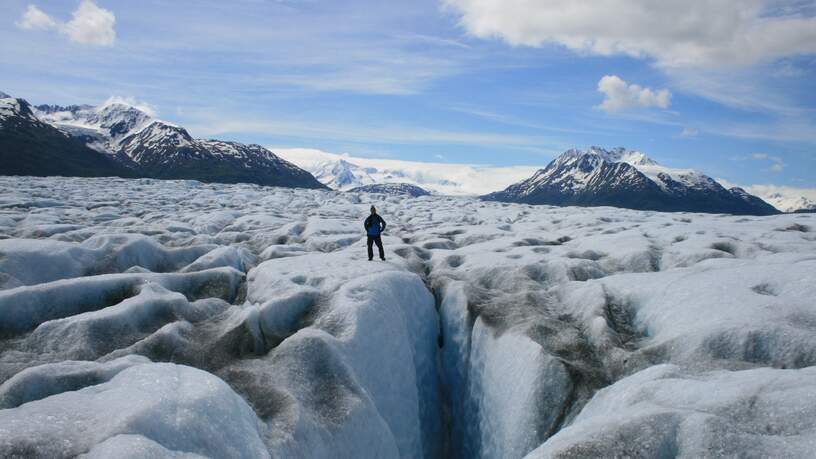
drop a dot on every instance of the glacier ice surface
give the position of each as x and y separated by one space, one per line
145 318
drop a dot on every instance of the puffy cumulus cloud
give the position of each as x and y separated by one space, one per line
618 95
89 24
36 19
675 33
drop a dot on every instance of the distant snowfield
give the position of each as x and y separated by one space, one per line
145 318
477 180
784 198
443 178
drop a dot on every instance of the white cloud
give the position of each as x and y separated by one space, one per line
131 101
777 163
675 33
206 123
745 90
786 130
689 132
371 75
618 95
89 25
36 19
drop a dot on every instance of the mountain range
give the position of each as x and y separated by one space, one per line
122 140
628 179
794 204
343 175
117 139
29 146
344 172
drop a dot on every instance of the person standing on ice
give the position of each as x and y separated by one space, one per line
374 226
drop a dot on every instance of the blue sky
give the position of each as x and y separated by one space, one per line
723 86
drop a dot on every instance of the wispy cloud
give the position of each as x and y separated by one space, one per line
783 131
206 124
402 75
421 39
689 132
740 89
319 47
511 120
776 163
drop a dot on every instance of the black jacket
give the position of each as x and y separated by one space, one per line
374 225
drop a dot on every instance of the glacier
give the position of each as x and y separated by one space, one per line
148 318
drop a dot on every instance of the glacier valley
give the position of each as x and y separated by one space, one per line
148 318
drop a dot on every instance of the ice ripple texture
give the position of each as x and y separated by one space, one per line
144 318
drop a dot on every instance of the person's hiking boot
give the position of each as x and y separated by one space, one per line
382 258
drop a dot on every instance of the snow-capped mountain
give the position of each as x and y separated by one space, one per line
113 121
159 143
629 179
343 175
29 146
149 147
15 110
786 199
345 172
784 203
165 151
397 189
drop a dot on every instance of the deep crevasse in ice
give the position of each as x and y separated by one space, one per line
181 319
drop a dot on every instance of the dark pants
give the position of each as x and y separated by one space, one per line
378 241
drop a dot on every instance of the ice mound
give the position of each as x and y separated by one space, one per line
664 411
172 407
34 261
325 272
726 313
144 318
238 258
42 381
24 308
